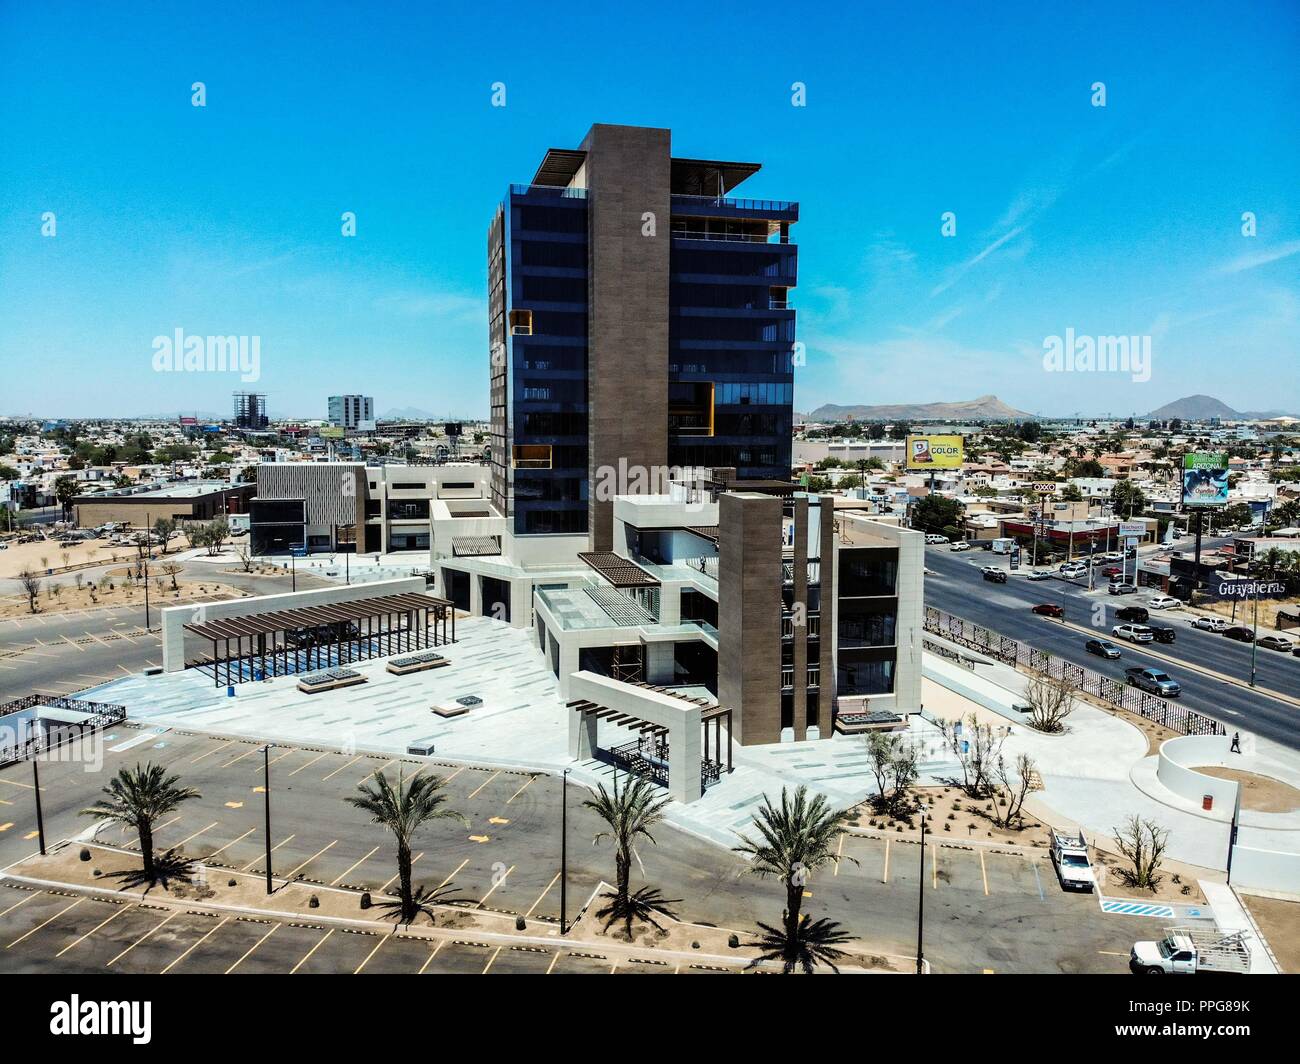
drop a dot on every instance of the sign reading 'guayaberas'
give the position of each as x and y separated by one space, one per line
1249 589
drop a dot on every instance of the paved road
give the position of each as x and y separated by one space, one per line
958 588
999 912
62 653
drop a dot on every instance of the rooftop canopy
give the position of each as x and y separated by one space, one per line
304 617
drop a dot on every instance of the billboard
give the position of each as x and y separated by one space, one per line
1205 479
934 452
1130 529
1244 590
331 432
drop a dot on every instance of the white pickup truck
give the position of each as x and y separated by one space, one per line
1070 855
1187 951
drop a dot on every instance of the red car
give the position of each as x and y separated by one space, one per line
1111 570
1048 609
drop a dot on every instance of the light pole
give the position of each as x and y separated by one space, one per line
145 565
564 852
266 793
920 907
40 818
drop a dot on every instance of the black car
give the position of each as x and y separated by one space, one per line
997 576
1102 647
1137 614
1240 634
1163 633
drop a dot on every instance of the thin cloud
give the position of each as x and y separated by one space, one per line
1259 258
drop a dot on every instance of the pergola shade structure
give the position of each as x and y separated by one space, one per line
286 642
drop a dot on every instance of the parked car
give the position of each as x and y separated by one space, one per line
996 576
1211 624
1134 633
1112 556
1048 609
1188 951
1121 588
1275 642
1156 681
1163 602
1163 633
934 537
1132 613
1102 648
960 546
1040 574
1240 634
1112 570
1072 569
1070 856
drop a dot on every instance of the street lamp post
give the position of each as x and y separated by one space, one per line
920 907
266 793
40 818
564 852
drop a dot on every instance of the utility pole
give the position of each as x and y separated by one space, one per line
36 783
1254 641
145 564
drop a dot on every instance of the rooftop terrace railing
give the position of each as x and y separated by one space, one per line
773 206
561 191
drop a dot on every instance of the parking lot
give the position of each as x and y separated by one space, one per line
985 911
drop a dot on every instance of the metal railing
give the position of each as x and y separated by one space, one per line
1116 692
740 204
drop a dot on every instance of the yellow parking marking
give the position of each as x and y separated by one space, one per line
290 875
273 849
23 902
985 873
370 954
494 886
531 781
839 852
988 971
429 959
15 783
165 921
311 951
490 960
30 835
103 923
274 929
234 805
542 895
352 867
7 826
885 878
211 752
413 860
230 844
224 921
44 922
342 767
478 838
1108 953
454 774
483 784
498 820
196 834
309 763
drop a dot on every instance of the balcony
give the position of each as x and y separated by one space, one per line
548 191
724 207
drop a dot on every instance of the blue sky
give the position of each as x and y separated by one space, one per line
226 219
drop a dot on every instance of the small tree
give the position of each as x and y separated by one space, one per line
1143 843
976 747
245 555
164 526
893 762
171 569
31 585
139 798
1051 700
1015 784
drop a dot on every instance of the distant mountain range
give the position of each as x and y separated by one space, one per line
1204 407
985 408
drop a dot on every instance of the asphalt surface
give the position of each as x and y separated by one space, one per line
958 588
984 911
61 653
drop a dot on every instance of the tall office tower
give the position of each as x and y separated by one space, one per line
639 320
250 410
349 411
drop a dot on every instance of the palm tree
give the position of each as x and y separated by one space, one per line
404 811
630 812
796 840
138 798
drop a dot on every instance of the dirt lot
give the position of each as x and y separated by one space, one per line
954 816
60 594
1260 793
1280 923
1246 611
49 554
